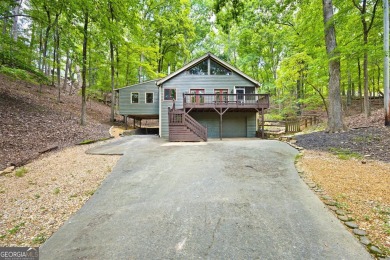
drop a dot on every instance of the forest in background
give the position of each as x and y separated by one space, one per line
100 45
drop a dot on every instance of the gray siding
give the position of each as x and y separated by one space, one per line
234 124
140 108
184 82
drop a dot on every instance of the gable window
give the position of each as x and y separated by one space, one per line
217 69
209 67
149 98
134 97
169 94
199 69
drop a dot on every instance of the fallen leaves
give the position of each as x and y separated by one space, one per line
361 189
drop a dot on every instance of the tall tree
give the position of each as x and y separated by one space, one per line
85 16
335 116
386 62
367 25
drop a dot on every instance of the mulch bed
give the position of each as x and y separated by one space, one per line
371 142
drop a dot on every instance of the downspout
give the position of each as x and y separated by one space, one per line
159 110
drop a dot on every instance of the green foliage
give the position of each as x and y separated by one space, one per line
57 191
39 239
280 44
20 172
16 228
90 193
344 154
86 142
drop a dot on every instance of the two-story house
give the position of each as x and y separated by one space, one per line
207 98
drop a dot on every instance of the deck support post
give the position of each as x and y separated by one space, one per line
125 120
220 125
262 123
221 112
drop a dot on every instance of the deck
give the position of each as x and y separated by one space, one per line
233 102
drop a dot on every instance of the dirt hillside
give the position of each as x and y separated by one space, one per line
33 121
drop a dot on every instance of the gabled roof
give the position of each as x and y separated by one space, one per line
205 57
153 80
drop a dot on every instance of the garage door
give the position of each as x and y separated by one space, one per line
234 126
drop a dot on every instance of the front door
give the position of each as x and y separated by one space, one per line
196 96
221 95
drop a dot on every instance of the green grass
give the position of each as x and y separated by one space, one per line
298 157
23 72
341 205
88 141
20 172
90 193
39 239
15 229
366 139
57 191
345 154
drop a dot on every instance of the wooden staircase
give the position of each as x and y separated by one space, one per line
184 128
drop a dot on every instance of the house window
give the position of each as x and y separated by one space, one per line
149 98
169 94
199 69
216 69
209 67
134 97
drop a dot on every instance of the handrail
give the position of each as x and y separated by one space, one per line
260 100
179 117
197 128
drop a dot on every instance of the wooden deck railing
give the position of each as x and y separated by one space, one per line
274 127
179 117
226 100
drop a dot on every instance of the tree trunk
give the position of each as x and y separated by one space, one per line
349 89
84 70
45 41
360 86
32 41
54 63
367 25
71 75
15 12
5 22
58 59
140 70
386 76
66 71
367 112
335 117
112 81
40 50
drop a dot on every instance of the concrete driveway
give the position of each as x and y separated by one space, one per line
232 199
